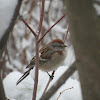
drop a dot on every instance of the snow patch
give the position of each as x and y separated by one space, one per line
7 8
24 90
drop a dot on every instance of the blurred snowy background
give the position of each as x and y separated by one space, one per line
21 48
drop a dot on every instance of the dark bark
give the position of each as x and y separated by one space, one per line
85 34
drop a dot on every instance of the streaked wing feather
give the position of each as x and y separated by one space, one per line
46 53
32 63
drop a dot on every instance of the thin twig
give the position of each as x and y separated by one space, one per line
29 27
51 28
47 86
50 79
65 37
63 91
48 19
41 17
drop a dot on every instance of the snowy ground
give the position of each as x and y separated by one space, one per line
25 89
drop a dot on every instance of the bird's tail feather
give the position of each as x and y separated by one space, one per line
24 76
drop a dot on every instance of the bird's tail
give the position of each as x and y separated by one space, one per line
24 76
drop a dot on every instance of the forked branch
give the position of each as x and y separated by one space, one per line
51 27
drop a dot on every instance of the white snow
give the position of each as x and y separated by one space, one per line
25 43
9 66
70 56
47 3
17 63
70 94
7 8
25 89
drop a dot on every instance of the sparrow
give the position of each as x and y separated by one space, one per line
51 56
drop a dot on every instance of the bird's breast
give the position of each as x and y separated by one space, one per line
56 60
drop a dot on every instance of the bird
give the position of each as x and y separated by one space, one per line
51 56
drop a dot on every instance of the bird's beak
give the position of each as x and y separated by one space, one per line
65 45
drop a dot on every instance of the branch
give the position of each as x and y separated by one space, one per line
65 37
29 27
63 91
41 17
51 28
50 79
37 52
86 42
36 69
60 82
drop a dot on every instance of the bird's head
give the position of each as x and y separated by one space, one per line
57 45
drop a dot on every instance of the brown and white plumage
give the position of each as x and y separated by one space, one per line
51 56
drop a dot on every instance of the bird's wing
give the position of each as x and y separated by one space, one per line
32 63
46 53
30 66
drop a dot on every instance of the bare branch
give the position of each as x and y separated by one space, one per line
37 51
50 79
51 28
29 27
60 82
65 37
63 91
36 69
41 17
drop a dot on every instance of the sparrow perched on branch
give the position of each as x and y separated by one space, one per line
51 57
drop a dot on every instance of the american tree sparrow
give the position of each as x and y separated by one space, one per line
51 57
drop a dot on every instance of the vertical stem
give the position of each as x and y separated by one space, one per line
65 37
41 17
36 68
